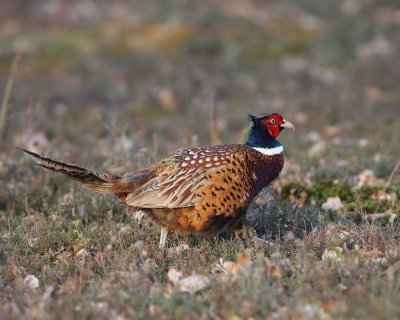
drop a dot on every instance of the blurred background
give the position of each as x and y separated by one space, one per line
122 83
119 84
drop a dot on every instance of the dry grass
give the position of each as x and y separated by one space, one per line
120 85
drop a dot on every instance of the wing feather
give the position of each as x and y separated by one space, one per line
173 191
214 181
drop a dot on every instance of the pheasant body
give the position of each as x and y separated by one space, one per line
198 190
194 188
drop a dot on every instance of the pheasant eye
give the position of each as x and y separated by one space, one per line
273 121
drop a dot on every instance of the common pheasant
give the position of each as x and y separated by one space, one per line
198 190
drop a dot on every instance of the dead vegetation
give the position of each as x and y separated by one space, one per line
119 85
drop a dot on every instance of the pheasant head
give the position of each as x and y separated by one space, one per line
265 129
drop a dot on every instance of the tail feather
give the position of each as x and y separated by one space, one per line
92 180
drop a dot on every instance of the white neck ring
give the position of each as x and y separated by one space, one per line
270 151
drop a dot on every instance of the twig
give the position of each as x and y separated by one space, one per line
7 94
155 147
214 135
375 216
389 180
109 127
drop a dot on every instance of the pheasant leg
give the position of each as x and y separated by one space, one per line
163 237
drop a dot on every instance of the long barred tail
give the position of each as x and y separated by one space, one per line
92 180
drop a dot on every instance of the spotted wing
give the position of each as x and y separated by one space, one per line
215 180
228 188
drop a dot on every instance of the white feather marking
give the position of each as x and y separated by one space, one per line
184 164
270 151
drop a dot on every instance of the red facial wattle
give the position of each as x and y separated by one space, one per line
273 126
273 130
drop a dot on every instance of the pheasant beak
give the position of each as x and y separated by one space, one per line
286 124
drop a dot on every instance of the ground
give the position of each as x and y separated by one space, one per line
119 85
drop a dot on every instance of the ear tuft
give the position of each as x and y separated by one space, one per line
252 118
